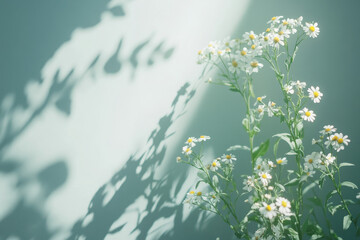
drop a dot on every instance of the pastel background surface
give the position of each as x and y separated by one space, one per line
97 97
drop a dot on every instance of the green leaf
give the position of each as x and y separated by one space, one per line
197 184
293 233
282 188
345 164
215 180
349 184
315 200
292 182
238 147
346 222
245 123
329 195
307 188
261 150
333 209
276 146
202 176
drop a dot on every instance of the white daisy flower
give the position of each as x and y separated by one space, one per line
276 40
283 206
261 165
265 178
339 141
283 31
190 197
308 173
298 84
281 161
191 141
267 196
315 94
311 29
178 159
243 53
329 159
228 158
253 66
307 115
256 50
203 138
291 24
264 39
289 89
268 210
271 109
261 110
186 150
271 164
235 66
299 21
249 36
213 197
214 165
328 129
310 160
259 100
249 183
275 19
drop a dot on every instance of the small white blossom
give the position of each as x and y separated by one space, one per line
311 29
328 129
288 89
186 150
265 178
228 158
315 94
338 141
284 206
214 165
249 183
329 159
307 115
253 66
191 141
203 138
268 210
275 20
298 84
310 160
281 161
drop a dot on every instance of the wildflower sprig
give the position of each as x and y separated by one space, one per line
273 210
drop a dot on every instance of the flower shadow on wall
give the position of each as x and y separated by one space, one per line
18 113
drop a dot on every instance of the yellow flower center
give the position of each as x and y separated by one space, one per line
259 99
189 140
312 28
191 192
268 30
310 161
279 161
268 208
316 94
213 196
334 138
214 164
283 203
253 46
273 18
210 45
251 36
308 114
227 50
234 63
266 39
199 193
227 44
327 130
340 140
264 176
260 110
281 33
273 104
308 173
219 52
199 52
228 157
202 136
187 150
258 167
254 64
322 163
276 40
285 23
243 53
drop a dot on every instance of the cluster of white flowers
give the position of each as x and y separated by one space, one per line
240 55
281 207
334 140
190 143
197 198
317 160
270 107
